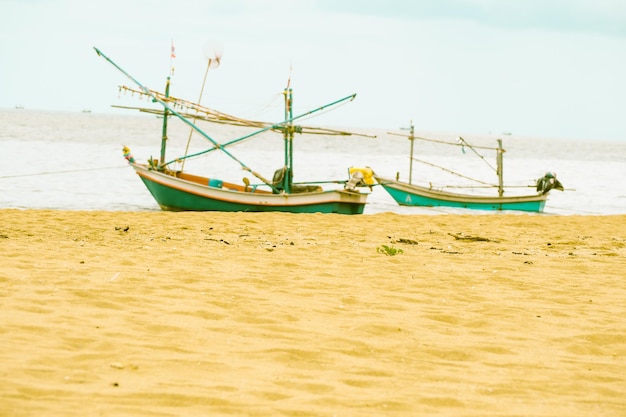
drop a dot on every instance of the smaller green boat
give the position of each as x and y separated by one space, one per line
409 194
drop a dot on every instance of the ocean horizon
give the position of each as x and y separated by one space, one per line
73 161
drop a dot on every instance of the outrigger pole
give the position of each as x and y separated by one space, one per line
171 110
216 144
265 129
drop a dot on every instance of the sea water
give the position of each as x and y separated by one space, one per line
73 161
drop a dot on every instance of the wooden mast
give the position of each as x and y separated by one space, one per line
164 133
499 167
288 133
412 139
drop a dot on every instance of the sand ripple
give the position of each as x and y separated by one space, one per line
280 314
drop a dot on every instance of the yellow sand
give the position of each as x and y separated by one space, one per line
246 314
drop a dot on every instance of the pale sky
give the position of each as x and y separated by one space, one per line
543 68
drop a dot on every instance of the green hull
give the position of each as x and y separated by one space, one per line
412 195
176 199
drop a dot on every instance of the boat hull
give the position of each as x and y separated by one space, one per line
414 195
177 194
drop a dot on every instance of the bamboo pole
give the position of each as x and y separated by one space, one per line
500 162
182 168
217 145
164 132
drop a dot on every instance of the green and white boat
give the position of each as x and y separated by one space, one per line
406 193
176 190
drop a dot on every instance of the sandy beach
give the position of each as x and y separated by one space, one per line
273 314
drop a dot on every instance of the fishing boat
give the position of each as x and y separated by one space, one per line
409 194
174 189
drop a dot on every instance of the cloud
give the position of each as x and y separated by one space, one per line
553 67
605 17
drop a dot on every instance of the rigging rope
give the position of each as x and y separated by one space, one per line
453 172
444 142
463 142
69 171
